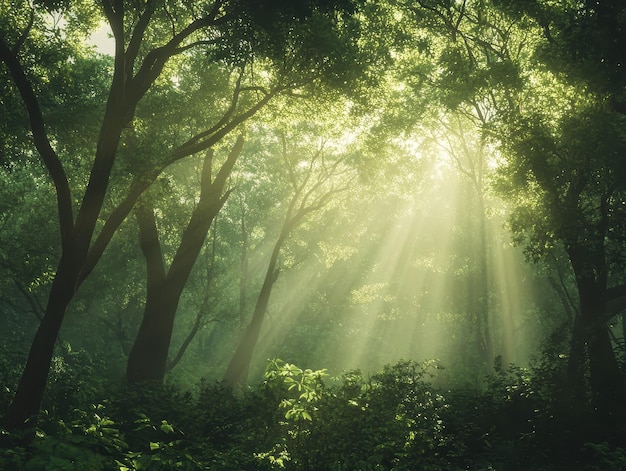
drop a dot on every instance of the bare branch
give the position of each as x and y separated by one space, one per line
197 325
224 119
180 50
190 147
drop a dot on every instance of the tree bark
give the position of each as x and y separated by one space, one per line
75 238
591 342
237 371
27 401
148 357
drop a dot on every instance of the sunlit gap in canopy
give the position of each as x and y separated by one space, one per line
103 41
418 300
391 311
409 293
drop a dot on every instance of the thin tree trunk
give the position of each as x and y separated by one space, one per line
79 256
243 267
203 310
185 345
303 202
239 366
483 302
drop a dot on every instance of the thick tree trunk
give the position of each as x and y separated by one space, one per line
591 341
576 362
27 401
76 235
148 358
76 239
606 381
624 328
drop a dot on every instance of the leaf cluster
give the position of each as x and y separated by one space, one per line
395 419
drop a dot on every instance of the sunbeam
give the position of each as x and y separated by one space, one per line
406 288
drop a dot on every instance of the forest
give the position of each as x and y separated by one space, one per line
313 235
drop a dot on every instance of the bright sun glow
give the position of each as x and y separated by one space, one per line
417 297
103 40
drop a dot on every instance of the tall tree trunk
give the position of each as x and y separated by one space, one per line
483 283
606 378
148 358
27 401
243 267
75 239
479 285
623 318
303 202
591 341
203 310
239 366
79 256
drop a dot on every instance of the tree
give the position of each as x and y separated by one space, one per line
586 41
148 358
571 178
470 70
571 197
228 33
314 181
468 154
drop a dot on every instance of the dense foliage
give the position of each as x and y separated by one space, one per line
190 188
396 419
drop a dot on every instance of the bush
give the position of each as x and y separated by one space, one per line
389 421
302 419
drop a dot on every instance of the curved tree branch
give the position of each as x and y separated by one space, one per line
42 142
22 39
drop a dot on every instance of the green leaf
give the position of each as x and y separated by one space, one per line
167 428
